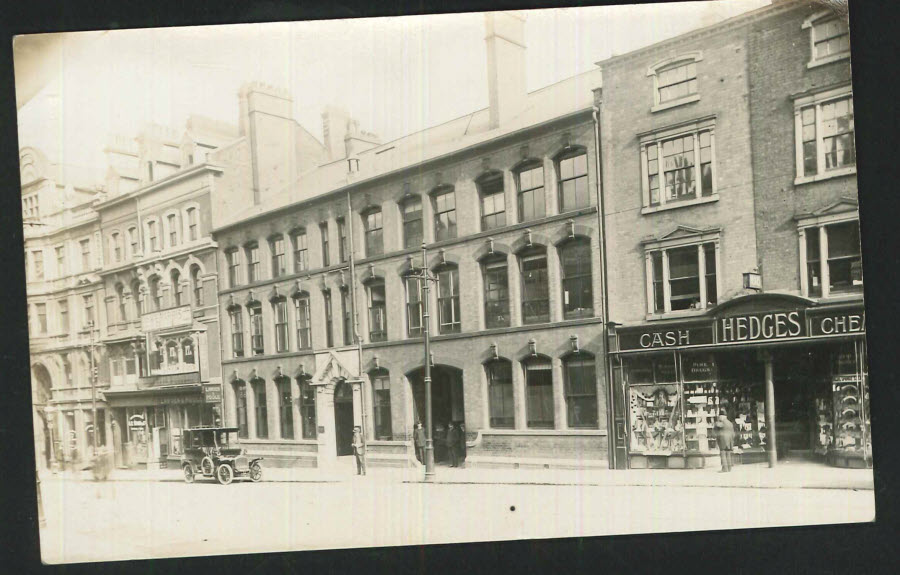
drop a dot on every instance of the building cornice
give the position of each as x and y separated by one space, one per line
170 179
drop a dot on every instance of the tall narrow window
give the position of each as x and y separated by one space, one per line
684 280
137 299
41 312
580 390
381 389
539 393
301 309
343 252
500 393
262 413
301 258
252 262
187 351
61 261
197 285
496 294
575 259
193 224
377 312
813 263
86 255
88 308
176 288
240 394
326 250
285 407
155 294
37 260
307 407
172 222
844 261
233 257
279 307
153 236
530 184
573 182
276 247
448 300
256 330
237 331
535 291
63 306
347 315
374 233
133 243
413 307
329 328
411 210
115 241
444 214
493 201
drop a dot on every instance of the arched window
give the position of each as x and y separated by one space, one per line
580 390
448 299
374 232
196 285
176 288
252 250
153 235
279 310
413 307
171 354
538 393
411 210
137 298
285 407
256 329
240 396
381 389
496 292
493 200
573 180
500 393
134 247
307 407
301 312
444 200
155 294
577 292
193 218
262 414
116 245
237 331
301 252
377 311
530 191
276 248
187 351
535 291
172 225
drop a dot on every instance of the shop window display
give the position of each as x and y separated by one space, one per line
850 404
701 401
657 422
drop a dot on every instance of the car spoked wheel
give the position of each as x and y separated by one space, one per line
206 466
188 474
256 472
224 474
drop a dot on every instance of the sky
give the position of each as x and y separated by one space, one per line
395 75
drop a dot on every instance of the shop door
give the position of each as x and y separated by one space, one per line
343 418
447 404
797 385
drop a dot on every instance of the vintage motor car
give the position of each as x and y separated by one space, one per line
216 452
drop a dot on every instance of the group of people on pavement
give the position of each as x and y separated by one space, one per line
454 440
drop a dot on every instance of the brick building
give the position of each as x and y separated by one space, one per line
505 199
730 195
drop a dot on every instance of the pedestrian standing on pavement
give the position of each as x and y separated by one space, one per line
462 443
452 443
725 440
359 450
419 441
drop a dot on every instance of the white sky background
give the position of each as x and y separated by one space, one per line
396 75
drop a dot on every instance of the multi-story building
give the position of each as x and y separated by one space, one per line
65 315
732 226
160 284
505 201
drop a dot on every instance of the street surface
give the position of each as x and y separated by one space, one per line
114 520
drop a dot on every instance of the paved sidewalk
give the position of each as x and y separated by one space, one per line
793 475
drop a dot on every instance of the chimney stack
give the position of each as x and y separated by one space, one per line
266 120
505 39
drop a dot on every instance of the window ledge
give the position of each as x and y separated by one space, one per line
675 205
676 314
848 171
676 103
545 432
827 60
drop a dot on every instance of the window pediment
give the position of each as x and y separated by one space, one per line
682 235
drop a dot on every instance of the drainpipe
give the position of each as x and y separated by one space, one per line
604 301
359 354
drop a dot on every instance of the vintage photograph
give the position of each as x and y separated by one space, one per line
448 278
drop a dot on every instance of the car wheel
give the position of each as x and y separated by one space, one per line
206 466
256 472
188 473
224 474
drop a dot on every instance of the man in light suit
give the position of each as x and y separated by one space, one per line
725 440
359 451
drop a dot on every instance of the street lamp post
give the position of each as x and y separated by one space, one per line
424 277
93 378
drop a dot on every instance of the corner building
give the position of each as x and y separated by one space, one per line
506 202
731 204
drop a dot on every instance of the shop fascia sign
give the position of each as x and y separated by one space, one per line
753 327
212 392
136 421
166 319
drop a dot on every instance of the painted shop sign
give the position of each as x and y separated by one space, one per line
212 393
838 323
761 326
136 422
166 319
661 339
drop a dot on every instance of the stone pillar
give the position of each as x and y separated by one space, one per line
327 454
519 396
559 400
770 412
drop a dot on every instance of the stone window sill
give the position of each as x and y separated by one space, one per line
848 171
675 205
676 103
675 314
827 60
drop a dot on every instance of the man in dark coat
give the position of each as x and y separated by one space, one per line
725 440
462 443
359 451
419 442
452 443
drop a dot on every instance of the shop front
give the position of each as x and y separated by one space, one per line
791 375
